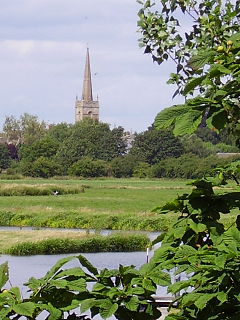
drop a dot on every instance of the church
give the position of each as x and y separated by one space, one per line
87 107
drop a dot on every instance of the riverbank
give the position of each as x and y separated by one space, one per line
35 242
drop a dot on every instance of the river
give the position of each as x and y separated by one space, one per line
23 267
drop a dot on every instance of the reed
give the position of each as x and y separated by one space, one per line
113 243
38 190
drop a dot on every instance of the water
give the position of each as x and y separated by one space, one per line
24 267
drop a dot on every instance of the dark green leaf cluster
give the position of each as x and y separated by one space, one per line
152 146
199 247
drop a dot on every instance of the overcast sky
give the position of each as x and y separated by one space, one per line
42 55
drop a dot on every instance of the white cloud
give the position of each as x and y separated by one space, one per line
42 56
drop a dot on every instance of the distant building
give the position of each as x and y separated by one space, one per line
228 154
3 138
129 137
87 107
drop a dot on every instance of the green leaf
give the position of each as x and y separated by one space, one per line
25 308
192 84
168 116
4 274
78 285
148 285
219 119
160 278
188 122
199 60
132 304
76 272
55 314
57 267
219 95
87 304
159 238
204 298
137 290
34 284
197 227
98 287
222 296
109 309
175 206
220 261
85 263
217 70
176 287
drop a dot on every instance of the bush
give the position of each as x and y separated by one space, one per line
142 170
42 167
87 167
188 166
122 167
153 145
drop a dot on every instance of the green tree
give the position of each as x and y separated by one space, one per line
87 167
206 57
123 166
207 61
4 157
45 147
91 139
41 167
193 144
152 146
27 129
60 131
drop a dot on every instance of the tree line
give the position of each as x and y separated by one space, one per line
92 149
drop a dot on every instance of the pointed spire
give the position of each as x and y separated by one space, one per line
87 82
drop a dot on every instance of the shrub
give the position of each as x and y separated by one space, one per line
154 145
142 170
42 167
188 166
122 167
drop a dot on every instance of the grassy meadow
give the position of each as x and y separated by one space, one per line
120 204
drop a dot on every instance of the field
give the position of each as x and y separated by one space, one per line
123 204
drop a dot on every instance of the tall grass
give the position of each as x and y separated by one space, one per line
113 243
38 190
11 176
149 222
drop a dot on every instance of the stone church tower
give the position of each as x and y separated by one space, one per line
87 107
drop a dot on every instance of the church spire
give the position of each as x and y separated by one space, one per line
87 82
87 107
